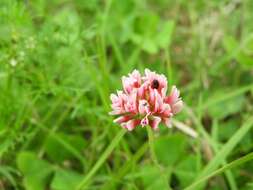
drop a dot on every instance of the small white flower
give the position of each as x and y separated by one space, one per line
13 62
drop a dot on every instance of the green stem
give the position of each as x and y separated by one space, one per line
153 154
151 145
122 171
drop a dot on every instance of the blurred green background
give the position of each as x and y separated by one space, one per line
61 59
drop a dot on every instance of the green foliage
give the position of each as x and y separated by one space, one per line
170 149
150 178
187 170
57 152
59 62
36 174
241 52
227 107
36 171
65 180
157 36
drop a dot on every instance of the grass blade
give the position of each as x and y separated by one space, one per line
102 159
230 165
224 97
226 149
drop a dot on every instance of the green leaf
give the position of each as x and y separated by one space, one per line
68 26
169 149
65 180
186 170
56 151
150 178
35 171
164 36
149 46
250 184
230 44
227 129
121 19
226 107
242 52
151 33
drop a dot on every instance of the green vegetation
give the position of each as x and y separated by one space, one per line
61 59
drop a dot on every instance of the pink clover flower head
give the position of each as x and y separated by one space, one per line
143 101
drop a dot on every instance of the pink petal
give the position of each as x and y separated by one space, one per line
177 107
158 102
113 97
144 121
155 122
147 72
164 90
141 91
175 93
174 96
121 119
115 112
152 96
132 81
131 103
130 125
167 122
166 110
126 85
136 76
143 107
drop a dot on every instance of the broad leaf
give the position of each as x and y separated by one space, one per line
242 52
169 149
56 150
65 180
152 179
35 171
